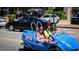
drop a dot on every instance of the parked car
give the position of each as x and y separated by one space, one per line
25 23
2 22
75 19
52 17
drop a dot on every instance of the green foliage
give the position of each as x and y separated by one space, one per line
12 17
59 13
49 11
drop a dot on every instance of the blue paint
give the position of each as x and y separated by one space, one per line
65 41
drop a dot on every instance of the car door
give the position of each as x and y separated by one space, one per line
22 24
26 24
53 18
19 24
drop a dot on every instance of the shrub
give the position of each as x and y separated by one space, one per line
12 17
49 11
59 13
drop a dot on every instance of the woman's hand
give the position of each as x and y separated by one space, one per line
53 33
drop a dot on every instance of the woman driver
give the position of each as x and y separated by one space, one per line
41 37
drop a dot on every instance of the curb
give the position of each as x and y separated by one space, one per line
68 26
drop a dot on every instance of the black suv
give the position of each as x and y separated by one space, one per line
25 23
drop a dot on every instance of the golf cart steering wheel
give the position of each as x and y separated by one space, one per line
39 23
32 25
36 25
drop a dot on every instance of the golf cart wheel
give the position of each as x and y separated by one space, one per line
11 28
26 47
54 48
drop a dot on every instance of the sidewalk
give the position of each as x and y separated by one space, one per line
66 24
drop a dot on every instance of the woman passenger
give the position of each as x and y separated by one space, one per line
41 37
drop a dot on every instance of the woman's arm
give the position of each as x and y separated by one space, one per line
38 37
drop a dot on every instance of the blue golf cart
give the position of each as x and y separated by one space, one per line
65 42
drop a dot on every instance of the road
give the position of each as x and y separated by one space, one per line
10 41
72 32
9 45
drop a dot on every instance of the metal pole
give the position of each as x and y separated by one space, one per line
54 24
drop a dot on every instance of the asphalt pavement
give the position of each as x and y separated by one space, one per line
9 45
10 41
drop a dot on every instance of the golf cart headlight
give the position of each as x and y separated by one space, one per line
67 44
63 41
28 37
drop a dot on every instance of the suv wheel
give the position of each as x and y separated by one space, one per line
27 48
11 28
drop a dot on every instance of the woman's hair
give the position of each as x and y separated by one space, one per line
45 28
43 32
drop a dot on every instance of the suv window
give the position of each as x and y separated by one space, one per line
53 15
46 16
31 19
77 15
23 19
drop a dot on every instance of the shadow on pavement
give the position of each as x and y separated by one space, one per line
23 49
